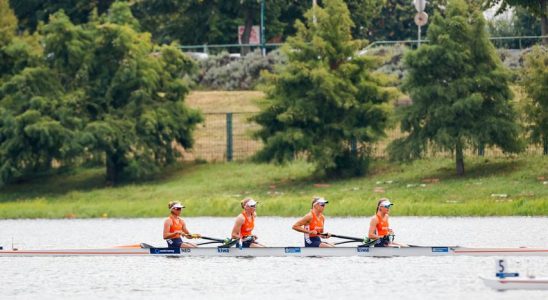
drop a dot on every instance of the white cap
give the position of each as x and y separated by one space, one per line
177 205
251 203
386 203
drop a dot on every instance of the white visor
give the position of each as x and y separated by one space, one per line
251 203
321 201
177 205
386 203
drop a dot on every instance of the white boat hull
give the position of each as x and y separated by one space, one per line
516 283
286 252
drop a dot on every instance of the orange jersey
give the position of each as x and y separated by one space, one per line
315 224
176 225
247 226
382 225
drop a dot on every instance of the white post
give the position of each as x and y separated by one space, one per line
314 11
419 36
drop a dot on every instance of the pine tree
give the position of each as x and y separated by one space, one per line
535 84
325 100
460 91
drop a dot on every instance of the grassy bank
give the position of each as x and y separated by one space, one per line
502 186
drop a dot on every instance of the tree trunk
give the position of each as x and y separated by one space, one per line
247 31
459 157
545 144
544 21
114 167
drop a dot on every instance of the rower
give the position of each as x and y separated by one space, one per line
244 225
312 225
175 228
380 234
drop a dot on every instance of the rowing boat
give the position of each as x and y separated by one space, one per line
518 283
286 252
505 280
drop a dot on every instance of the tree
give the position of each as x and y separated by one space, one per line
520 23
8 23
538 8
31 12
460 91
535 84
325 100
207 22
395 20
104 90
30 136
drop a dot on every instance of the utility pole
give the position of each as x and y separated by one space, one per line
263 47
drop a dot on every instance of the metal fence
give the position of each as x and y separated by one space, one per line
506 42
228 136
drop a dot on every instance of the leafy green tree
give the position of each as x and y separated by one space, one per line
520 23
460 91
8 23
31 12
395 20
104 89
325 99
535 84
538 8
28 93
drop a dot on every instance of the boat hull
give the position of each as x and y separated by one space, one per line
286 252
525 283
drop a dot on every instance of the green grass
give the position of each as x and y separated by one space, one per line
216 189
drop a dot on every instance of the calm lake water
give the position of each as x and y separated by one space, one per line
265 278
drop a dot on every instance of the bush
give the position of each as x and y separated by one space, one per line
226 72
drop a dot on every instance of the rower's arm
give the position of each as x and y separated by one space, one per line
299 226
184 229
372 229
237 227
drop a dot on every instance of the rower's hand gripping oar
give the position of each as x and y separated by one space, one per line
215 241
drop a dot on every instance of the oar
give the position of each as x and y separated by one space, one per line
213 239
355 239
207 243
231 243
346 242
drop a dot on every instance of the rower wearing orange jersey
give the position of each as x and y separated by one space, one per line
244 225
175 228
312 225
379 226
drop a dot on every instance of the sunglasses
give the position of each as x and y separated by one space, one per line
252 206
178 208
386 206
321 204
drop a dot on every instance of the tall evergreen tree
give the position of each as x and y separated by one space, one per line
325 100
535 84
460 91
